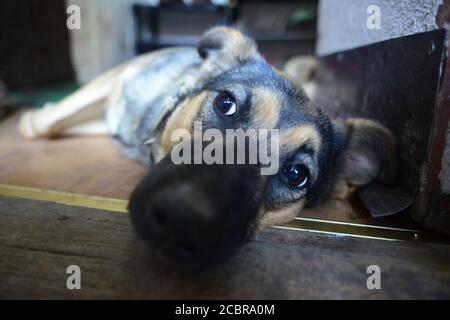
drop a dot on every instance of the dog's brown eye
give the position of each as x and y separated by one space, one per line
226 104
297 175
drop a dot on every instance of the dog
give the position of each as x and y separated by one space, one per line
198 215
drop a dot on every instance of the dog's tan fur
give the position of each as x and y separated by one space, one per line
182 118
294 138
267 108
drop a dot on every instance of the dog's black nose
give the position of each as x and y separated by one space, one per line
182 221
196 215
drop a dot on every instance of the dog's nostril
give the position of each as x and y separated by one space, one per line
160 217
184 248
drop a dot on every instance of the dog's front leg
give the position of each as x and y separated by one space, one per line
83 106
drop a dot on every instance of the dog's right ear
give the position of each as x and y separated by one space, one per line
369 152
226 47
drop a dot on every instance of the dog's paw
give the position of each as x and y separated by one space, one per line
26 127
35 124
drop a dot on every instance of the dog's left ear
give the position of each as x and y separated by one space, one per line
226 47
369 152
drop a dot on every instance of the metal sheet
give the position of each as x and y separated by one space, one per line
396 83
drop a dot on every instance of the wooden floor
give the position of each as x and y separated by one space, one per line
93 166
39 240
86 165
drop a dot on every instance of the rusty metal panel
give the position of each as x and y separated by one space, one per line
395 82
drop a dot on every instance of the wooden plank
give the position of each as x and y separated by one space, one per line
39 240
299 223
72 199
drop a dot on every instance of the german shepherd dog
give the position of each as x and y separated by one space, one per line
197 215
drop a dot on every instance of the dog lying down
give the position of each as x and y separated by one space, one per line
199 214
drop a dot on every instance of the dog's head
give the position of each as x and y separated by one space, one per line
200 213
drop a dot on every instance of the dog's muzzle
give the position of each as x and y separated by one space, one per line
196 215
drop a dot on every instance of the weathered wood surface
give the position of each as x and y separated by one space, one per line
39 240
